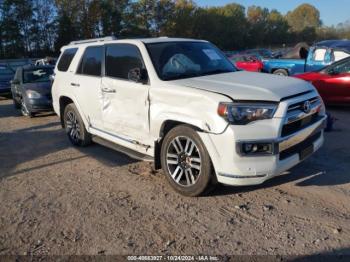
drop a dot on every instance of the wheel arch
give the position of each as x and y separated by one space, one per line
285 69
165 127
63 102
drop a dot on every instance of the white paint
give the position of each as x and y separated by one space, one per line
136 112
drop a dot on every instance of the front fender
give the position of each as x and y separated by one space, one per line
193 107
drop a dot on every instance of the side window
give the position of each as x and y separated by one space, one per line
340 68
66 59
319 54
91 62
121 58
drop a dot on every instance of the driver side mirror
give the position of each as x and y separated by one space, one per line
138 75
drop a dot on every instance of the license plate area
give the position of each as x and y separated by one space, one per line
306 152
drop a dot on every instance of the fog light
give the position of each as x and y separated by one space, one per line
257 148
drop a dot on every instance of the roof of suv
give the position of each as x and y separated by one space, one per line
143 40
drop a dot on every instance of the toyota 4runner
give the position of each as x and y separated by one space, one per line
183 105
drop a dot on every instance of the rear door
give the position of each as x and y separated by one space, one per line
125 109
86 84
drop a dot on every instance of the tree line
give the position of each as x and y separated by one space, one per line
36 28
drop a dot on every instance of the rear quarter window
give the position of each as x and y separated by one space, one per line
66 59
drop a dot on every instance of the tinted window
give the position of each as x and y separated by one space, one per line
121 58
66 59
342 67
91 62
35 75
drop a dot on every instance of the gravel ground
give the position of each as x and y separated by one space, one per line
57 199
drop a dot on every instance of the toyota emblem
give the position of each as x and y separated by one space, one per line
307 107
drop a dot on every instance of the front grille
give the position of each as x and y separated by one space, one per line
293 127
299 147
297 119
299 105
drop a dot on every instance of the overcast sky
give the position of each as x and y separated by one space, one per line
332 11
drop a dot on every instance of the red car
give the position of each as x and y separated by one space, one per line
332 82
247 62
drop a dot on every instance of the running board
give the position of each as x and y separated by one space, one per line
127 151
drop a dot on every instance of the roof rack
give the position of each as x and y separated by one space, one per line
93 40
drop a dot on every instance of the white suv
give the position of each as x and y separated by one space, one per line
183 105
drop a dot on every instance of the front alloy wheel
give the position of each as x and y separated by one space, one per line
185 161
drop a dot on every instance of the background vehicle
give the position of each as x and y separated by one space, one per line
247 62
332 82
182 104
31 89
6 74
46 61
261 52
318 56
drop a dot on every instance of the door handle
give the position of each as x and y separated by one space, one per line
74 84
108 90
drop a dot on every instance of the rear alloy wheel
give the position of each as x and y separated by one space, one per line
185 161
74 127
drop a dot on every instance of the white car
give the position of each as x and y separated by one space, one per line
183 105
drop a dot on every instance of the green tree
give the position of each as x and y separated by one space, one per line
277 31
304 16
225 26
181 22
112 14
258 23
42 33
13 39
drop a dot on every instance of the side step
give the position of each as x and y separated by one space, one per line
129 152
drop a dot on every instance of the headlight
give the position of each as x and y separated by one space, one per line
244 113
33 94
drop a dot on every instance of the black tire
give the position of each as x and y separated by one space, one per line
281 72
75 128
193 169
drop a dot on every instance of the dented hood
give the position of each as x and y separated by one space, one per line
248 86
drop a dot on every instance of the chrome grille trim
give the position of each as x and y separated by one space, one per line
296 113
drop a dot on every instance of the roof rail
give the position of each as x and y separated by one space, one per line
93 40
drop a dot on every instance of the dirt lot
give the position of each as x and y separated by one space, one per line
57 199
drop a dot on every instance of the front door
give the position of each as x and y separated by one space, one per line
125 109
336 86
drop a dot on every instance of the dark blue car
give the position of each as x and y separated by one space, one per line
6 75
